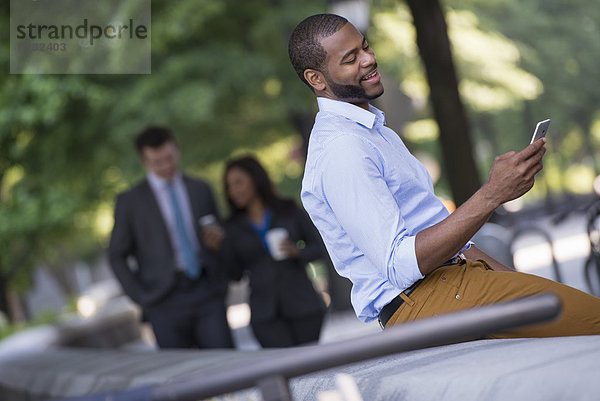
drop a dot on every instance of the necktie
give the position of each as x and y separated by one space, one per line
192 267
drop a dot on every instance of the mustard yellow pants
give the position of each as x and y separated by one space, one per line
473 283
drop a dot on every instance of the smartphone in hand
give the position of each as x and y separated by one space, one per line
540 130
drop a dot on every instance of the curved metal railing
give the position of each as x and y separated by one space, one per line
271 375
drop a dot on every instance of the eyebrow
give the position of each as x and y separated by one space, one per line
350 52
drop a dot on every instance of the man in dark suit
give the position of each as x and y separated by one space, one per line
161 254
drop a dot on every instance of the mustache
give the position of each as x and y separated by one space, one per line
370 72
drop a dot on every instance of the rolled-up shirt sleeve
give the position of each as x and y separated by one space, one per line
355 189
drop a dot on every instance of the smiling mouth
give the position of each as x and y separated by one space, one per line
369 75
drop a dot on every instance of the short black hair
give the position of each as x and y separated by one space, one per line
153 137
304 46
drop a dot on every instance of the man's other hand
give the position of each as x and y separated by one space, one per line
212 237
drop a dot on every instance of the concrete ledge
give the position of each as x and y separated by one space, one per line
516 369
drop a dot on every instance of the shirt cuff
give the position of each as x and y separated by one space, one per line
404 269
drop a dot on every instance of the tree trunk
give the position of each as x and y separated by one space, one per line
434 48
4 299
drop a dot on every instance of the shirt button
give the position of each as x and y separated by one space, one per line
457 296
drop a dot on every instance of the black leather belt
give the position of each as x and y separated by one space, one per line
388 311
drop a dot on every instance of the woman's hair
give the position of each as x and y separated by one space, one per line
262 184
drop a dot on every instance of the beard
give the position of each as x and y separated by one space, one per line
349 92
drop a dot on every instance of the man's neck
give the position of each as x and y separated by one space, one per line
153 177
361 104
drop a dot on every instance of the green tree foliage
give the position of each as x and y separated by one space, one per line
557 41
518 63
220 78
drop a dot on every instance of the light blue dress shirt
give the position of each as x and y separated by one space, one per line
368 197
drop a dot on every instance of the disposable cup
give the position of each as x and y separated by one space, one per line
274 238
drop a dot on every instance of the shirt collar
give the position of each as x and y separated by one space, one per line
368 118
159 183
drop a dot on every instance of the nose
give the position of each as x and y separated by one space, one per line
367 58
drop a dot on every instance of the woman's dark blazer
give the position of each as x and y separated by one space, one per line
275 285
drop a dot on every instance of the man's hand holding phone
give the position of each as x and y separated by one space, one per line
540 130
512 173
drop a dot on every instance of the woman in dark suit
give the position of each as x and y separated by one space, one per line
285 308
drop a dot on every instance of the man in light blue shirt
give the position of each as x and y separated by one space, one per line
374 204
355 164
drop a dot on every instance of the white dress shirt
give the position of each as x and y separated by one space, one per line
161 192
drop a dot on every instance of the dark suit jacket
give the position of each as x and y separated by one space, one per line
140 233
274 285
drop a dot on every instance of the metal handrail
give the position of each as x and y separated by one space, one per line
444 329
271 375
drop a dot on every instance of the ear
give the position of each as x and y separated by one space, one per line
315 79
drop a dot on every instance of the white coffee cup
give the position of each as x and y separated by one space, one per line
274 238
